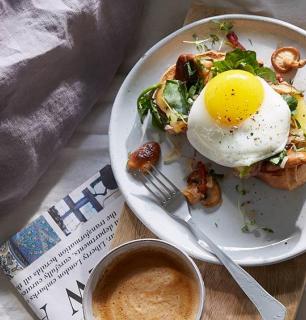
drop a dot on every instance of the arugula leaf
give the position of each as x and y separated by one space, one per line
159 120
190 73
278 158
236 59
175 94
195 89
145 101
243 60
146 104
247 67
266 73
291 101
190 70
199 64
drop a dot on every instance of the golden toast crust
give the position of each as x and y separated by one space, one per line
287 179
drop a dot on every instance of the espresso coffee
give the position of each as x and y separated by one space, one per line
146 285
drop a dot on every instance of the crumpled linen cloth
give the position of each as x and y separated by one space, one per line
57 58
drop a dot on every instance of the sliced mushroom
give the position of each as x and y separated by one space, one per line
213 195
202 187
287 58
192 194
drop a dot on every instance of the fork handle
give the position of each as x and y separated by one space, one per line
268 307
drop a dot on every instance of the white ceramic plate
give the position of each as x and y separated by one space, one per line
282 211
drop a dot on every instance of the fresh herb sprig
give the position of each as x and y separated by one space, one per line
202 45
225 26
214 38
250 224
244 60
251 227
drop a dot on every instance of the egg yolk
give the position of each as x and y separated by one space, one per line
233 96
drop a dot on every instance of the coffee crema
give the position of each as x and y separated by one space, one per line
146 285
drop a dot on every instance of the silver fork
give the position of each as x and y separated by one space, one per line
170 198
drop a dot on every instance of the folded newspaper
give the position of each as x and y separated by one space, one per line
50 260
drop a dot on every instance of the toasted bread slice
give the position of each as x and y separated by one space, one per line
287 179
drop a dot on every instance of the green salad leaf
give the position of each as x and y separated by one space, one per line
175 94
146 104
266 73
291 101
278 158
243 60
145 101
190 70
159 120
179 98
195 90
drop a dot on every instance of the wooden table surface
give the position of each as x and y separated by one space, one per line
224 299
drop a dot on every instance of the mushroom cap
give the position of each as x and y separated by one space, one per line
285 58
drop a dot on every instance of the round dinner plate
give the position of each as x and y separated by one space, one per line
278 231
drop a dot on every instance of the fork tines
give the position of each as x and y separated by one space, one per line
158 185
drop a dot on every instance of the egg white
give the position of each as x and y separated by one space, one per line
258 137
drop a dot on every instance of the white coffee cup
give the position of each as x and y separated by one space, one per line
130 247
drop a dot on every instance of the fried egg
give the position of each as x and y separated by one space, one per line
238 119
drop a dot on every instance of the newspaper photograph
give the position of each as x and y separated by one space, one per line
50 260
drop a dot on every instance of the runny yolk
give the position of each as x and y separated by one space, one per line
233 96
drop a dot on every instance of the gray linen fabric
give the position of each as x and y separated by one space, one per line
57 58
